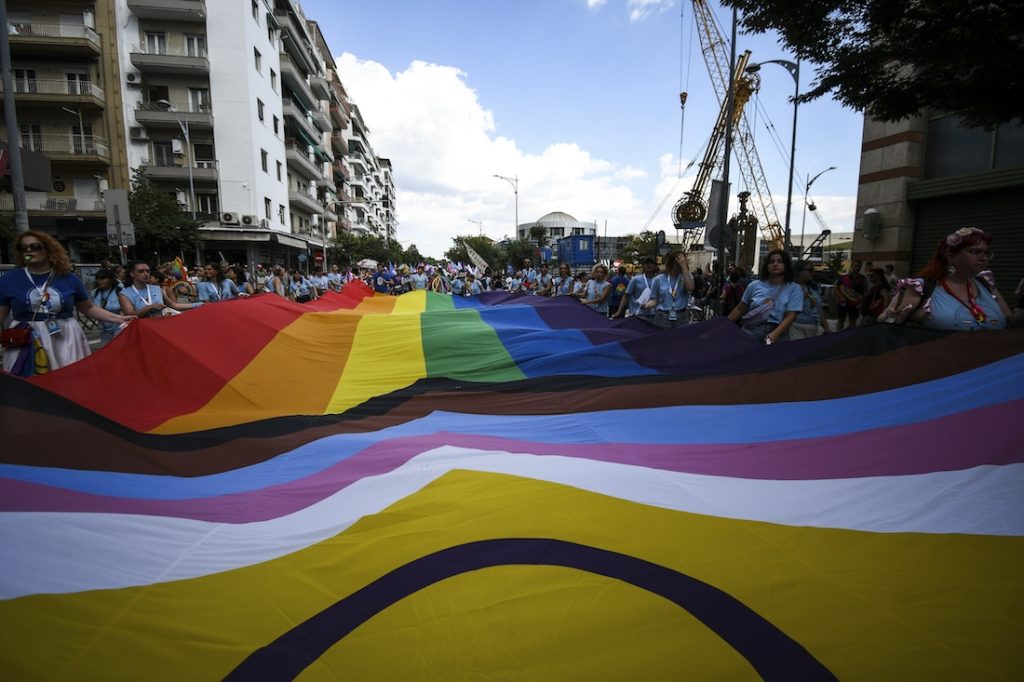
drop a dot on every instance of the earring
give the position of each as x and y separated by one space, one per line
951 270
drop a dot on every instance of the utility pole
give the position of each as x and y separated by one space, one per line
11 122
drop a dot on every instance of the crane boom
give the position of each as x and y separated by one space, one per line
690 212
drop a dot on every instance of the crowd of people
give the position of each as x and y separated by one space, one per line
40 299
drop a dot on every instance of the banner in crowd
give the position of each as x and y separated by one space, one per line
424 487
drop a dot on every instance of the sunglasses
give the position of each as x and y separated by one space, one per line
34 246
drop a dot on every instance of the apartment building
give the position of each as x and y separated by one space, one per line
233 107
64 62
371 204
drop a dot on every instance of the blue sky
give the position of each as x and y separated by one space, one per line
577 98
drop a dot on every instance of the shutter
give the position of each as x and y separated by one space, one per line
999 213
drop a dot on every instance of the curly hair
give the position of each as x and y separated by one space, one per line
58 257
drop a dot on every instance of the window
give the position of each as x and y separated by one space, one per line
256 10
207 203
32 137
258 59
198 99
259 108
280 213
279 168
277 125
204 155
78 83
24 80
156 43
195 45
163 154
270 33
81 140
266 207
263 159
273 80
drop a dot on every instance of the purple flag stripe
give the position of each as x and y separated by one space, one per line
937 445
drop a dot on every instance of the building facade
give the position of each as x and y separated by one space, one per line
234 107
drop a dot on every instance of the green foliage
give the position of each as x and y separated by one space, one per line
487 250
518 250
638 247
893 60
161 225
539 234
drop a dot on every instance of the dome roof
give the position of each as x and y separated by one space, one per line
557 219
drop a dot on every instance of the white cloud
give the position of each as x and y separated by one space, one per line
595 4
641 9
442 143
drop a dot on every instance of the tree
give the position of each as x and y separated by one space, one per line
482 245
348 248
638 247
161 224
893 60
518 250
539 234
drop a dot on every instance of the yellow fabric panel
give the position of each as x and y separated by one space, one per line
395 336
285 378
378 304
896 606
411 303
562 625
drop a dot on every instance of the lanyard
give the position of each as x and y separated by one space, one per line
674 287
44 294
971 303
148 298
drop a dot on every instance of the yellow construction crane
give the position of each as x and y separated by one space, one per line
690 212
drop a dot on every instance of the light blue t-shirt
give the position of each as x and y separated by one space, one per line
140 299
811 312
107 300
596 289
635 288
209 292
670 293
419 281
787 297
950 313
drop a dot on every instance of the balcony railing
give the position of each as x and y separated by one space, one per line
44 30
199 52
54 204
65 88
71 146
175 108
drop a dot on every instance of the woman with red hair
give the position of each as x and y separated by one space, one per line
955 291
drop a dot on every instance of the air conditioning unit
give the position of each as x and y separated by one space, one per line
133 78
229 218
264 223
250 220
138 133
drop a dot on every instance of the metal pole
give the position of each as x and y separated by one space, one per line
13 131
803 221
792 156
516 191
188 156
723 205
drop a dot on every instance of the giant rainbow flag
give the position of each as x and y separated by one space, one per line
509 487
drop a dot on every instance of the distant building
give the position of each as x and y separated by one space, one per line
558 225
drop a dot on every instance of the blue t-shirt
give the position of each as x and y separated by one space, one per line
635 288
26 294
595 290
107 300
418 281
543 281
811 312
669 293
619 284
787 297
382 282
300 288
457 286
950 313
140 299
209 292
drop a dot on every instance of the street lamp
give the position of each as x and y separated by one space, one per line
794 70
807 189
183 124
479 224
515 188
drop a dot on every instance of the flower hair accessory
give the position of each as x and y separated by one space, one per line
958 236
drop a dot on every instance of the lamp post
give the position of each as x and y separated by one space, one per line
183 124
515 188
807 189
794 70
479 224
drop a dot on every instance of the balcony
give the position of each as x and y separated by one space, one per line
58 92
340 171
321 120
193 11
301 119
53 40
84 149
296 82
297 42
203 172
339 117
320 86
170 61
304 202
328 182
302 161
156 116
55 206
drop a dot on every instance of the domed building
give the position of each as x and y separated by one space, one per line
558 225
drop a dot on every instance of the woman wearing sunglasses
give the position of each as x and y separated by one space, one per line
42 297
